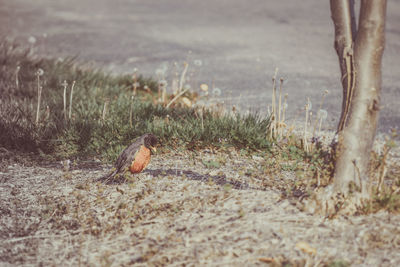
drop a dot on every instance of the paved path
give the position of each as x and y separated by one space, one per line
238 43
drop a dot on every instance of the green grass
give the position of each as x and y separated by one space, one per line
89 132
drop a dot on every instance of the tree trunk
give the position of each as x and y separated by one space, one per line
345 32
360 59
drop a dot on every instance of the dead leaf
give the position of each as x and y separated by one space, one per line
266 259
305 247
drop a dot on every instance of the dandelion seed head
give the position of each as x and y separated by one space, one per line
135 70
39 72
198 62
204 87
160 72
322 114
32 40
216 91
162 83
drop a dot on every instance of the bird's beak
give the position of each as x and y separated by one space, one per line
153 150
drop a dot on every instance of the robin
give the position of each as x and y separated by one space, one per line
135 157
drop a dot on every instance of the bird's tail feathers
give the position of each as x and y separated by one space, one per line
108 177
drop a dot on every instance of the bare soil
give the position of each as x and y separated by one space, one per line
208 208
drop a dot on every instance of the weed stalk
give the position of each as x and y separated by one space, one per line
39 92
280 122
103 116
319 113
273 106
16 77
131 112
305 142
176 97
65 85
70 100
383 167
182 79
135 81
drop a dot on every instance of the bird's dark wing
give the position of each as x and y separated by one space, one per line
124 160
127 156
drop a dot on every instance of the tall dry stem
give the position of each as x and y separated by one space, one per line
131 112
273 106
305 142
383 167
105 106
280 122
65 84
70 100
135 81
182 79
284 107
176 97
39 92
320 108
16 77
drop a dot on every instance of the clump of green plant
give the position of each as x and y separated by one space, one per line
310 169
385 188
64 111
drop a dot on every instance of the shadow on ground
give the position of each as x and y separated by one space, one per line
205 178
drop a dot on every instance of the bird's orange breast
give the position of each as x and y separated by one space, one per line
141 160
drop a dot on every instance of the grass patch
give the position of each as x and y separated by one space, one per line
38 113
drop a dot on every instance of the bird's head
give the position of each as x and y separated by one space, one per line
150 141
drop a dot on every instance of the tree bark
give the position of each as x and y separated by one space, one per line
360 62
345 32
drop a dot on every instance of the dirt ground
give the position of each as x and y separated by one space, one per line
188 209
234 45
178 212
